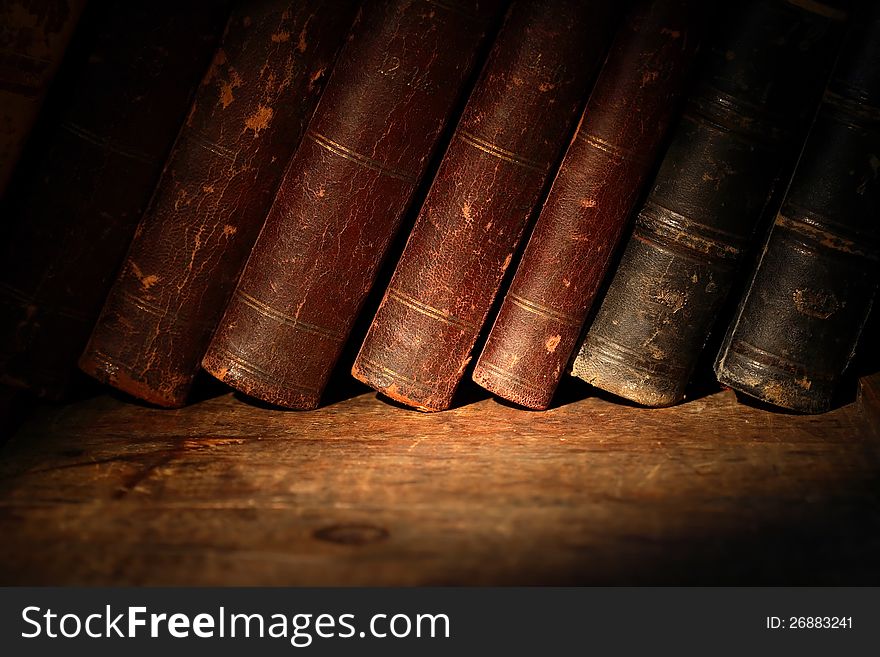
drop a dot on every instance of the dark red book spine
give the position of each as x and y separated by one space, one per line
344 195
33 39
247 119
600 179
89 171
514 128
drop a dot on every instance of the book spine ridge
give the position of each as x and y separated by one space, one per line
620 135
513 131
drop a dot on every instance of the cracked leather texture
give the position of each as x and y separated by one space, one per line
33 39
599 181
114 114
248 116
740 133
516 124
344 195
798 324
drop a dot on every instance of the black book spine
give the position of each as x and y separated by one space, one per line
759 84
797 326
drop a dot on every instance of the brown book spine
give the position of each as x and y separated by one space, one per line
797 326
514 128
598 183
248 117
120 106
33 38
344 195
759 85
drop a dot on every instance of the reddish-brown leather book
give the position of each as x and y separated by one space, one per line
247 119
33 38
115 112
598 183
344 195
514 128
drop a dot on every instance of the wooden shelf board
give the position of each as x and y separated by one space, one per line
106 492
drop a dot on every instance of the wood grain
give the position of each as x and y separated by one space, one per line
362 492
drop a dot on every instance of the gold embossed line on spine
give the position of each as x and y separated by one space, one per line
343 197
349 154
518 120
599 181
248 118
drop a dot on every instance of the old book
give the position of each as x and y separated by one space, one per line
90 172
599 181
33 38
344 196
760 83
799 321
514 127
248 116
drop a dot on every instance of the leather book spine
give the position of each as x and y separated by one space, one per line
33 39
344 195
513 130
745 121
248 116
604 170
90 173
798 324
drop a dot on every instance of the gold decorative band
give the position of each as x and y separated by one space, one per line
200 140
659 225
542 310
824 237
820 8
142 304
510 376
853 107
259 373
353 156
607 147
101 142
393 374
598 347
12 55
426 310
763 358
501 153
283 318
107 364
675 219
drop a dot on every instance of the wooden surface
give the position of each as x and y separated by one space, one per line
363 492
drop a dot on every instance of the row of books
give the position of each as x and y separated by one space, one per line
586 187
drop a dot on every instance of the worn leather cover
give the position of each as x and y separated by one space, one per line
344 195
798 324
247 119
517 121
761 82
33 38
114 114
599 181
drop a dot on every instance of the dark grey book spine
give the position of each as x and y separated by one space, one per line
760 82
797 326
